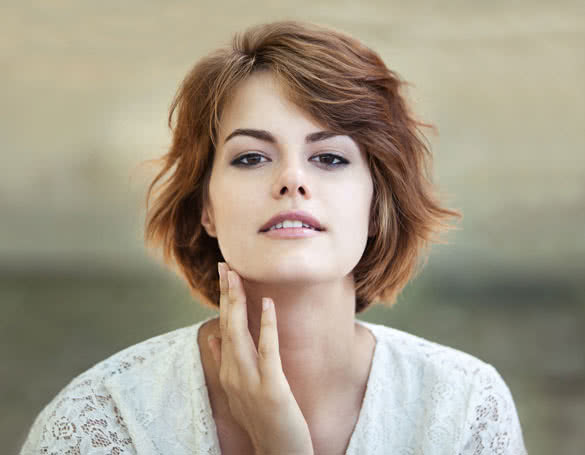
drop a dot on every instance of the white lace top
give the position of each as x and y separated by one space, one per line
151 398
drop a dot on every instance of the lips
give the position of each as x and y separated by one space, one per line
299 215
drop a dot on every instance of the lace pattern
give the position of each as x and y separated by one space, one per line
427 398
151 398
492 423
83 418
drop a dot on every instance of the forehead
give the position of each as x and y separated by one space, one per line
260 101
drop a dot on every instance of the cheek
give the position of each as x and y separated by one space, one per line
238 206
352 208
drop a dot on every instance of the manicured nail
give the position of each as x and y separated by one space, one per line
265 304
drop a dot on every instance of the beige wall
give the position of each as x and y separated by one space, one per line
86 88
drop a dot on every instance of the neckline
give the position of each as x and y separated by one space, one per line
201 385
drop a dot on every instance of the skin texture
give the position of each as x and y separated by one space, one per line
259 396
325 355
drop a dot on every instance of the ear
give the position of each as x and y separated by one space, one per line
208 222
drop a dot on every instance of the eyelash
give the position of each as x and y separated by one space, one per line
237 161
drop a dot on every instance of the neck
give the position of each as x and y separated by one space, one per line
318 339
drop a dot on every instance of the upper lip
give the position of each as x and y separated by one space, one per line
300 215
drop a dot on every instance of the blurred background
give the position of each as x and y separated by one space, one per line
85 92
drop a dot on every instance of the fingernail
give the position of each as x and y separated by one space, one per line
265 304
231 278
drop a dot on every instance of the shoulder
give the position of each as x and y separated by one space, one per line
434 363
425 355
460 399
137 354
83 417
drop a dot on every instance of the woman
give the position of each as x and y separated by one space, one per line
297 196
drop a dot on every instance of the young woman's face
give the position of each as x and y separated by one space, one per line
253 179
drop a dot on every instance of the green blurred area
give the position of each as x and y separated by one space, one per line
55 326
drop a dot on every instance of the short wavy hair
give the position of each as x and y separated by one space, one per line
345 86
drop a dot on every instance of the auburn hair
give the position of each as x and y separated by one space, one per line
342 84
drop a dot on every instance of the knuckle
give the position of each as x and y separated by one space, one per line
232 297
232 335
266 323
264 350
237 331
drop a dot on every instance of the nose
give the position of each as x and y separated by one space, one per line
292 179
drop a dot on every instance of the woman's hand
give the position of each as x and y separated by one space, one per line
259 395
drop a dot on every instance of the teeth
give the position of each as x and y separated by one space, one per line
290 224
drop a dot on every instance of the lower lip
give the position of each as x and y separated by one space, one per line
291 233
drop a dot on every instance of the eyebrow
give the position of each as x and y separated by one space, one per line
264 135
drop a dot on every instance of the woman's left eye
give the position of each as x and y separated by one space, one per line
341 161
255 156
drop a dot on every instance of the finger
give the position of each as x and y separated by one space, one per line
223 297
238 314
269 363
224 346
242 344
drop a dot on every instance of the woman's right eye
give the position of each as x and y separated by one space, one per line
254 156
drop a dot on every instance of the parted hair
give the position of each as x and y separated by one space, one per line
342 84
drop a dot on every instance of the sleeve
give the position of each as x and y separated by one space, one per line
81 419
492 426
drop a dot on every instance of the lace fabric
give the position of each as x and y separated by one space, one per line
151 398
